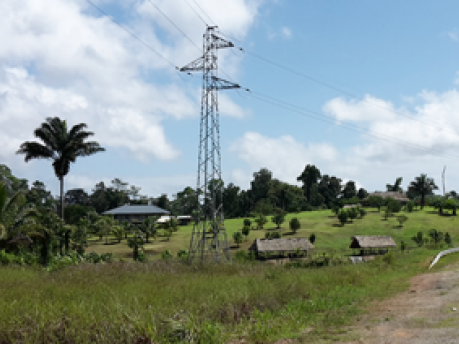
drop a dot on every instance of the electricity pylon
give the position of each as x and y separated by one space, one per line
209 239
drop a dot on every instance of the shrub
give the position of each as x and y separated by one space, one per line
244 256
342 216
362 212
352 213
247 222
182 254
166 255
418 239
246 231
278 219
387 213
448 239
272 235
312 238
260 221
393 205
402 219
410 206
237 237
294 224
436 236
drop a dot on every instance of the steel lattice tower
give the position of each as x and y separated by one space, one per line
209 239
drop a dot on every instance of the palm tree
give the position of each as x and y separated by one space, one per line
422 186
60 145
148 227
396 186
14 212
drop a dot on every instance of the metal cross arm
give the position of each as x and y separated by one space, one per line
222 84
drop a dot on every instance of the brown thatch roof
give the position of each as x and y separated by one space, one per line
281 245
398 196
372 241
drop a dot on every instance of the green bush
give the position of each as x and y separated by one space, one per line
342 216
410 206
362 212
165 255
247 222
294 224
273 235
246 231
312 238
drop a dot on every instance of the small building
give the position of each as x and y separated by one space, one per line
135 213
281 247
372 244
398 196
182 220
347 206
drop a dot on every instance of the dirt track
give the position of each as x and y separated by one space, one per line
422 314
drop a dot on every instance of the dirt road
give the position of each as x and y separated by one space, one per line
428 312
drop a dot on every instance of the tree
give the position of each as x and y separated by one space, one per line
294 224
76 196
247 222
14 212
349 190
312 238
436 236
422 186
309 177
118 232
451 204
260 220
418 239
376 201
409 206
401 219
362 212
105 225
148 227
136 243
246 231
387 213
362 193
61 145
396 187
237 237
278 219
393 205
342 216
261 185
352 213
448 239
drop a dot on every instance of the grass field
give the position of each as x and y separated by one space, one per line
330 235
168 301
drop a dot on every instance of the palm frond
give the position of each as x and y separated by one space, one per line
76 129
61 167
89 148
35 150
46 134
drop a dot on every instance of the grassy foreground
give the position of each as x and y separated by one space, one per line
167 301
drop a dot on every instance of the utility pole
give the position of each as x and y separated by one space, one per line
209 239
443 179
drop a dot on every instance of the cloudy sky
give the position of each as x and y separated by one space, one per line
367 91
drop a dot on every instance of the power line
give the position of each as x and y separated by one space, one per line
195 12
132 34
327 119
176 26
338 89
202 10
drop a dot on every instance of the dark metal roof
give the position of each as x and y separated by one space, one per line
137 210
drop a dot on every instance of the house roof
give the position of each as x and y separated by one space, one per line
137 210
274 245
347 206
399 196
372 241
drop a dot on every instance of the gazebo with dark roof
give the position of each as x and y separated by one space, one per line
135 213
372 244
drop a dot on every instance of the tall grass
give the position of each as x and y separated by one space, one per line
167 301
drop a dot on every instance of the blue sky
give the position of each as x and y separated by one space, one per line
392 68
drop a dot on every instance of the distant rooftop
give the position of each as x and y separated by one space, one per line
137 210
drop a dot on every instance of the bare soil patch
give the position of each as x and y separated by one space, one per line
428 312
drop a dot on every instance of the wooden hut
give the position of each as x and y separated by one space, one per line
281 247
372 244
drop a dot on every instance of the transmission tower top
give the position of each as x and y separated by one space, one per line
209 240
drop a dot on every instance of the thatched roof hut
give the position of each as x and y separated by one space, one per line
372 241
398 196
283 245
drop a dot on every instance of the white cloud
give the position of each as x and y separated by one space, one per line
286 32
423 142
59 59
284 156
453 34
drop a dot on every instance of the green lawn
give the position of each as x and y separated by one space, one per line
330 236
